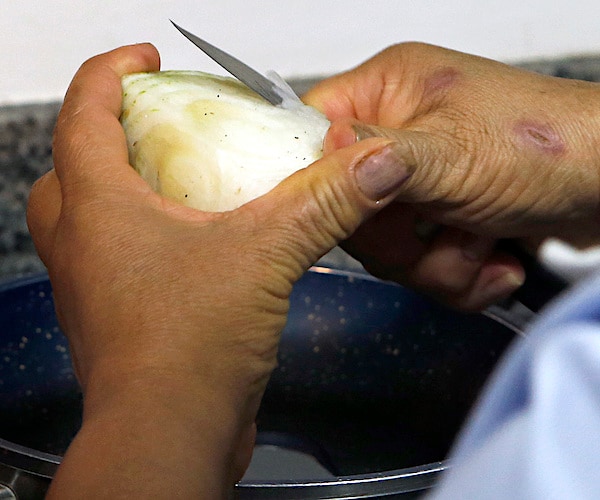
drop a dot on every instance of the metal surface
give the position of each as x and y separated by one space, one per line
405 484
6 493
21 484
252 78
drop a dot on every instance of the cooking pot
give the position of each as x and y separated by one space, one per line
373 382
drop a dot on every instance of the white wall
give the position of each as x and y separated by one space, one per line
43 42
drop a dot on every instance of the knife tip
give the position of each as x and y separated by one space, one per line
175 24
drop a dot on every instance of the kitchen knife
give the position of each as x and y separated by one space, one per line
262 85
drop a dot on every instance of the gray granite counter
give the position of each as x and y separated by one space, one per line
25 154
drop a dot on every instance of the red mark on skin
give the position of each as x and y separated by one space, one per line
540 136
439 83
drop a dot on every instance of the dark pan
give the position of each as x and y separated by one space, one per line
373 383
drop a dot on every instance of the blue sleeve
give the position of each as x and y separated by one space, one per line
535 433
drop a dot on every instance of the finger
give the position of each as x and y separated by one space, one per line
347 131
367 92
89 143
440 167
463 270
452 262
327 201
43 211
388 242
334 97
363 94
499 277
341 134
385 89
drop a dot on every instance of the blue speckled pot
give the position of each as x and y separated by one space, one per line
373 383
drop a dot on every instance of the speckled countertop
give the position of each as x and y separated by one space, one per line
25 154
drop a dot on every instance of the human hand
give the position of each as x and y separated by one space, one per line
497 152
173 315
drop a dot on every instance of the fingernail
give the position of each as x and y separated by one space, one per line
364 131
503 287
382 172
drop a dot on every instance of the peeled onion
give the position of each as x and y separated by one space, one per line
211 143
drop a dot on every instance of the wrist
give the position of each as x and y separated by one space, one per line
152 434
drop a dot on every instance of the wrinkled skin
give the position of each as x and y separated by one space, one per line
173 315
500 153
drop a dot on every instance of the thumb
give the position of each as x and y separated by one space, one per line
424 154
311 211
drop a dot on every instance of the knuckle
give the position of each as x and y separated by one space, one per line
333 213
328 209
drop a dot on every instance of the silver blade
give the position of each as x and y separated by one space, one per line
257 82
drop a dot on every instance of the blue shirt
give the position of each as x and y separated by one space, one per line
535 433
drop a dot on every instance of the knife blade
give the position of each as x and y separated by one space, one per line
252 78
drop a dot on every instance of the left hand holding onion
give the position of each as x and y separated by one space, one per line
173 314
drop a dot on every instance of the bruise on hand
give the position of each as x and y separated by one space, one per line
438 84
540 137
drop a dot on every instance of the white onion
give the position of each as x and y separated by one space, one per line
209 142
